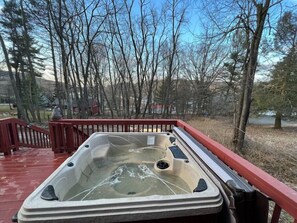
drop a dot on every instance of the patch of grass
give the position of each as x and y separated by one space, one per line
273 150
4 108
6 112
45 115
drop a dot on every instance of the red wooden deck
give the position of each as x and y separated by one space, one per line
21 173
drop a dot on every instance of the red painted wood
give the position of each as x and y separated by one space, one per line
15 133
13 136
276 214
3 139
69 138
82 129
284 196
21 173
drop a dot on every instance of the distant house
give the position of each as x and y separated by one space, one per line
94 108
158 108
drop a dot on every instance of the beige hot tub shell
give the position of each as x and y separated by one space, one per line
205 203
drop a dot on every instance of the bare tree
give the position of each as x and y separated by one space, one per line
42 11
250 17
105 80
88 26
203 64
158 39
60 25
136 43
254 34
49 29
177 13
33 104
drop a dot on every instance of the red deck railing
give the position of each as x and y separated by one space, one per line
67 135
15 133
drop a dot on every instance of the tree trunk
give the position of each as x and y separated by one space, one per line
19 102
64 62
34 103
57 84
244 110
278 120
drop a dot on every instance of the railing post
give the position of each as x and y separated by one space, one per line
4 139
127 127
276 213
61 136
69 137
14 138
52 136
56 136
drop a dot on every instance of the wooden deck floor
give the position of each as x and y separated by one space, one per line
21 173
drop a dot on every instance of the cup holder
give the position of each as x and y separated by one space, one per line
162 164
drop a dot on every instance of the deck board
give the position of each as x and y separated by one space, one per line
21 173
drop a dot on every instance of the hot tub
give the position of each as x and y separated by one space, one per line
125 177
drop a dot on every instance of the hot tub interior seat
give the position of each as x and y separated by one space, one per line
129 167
